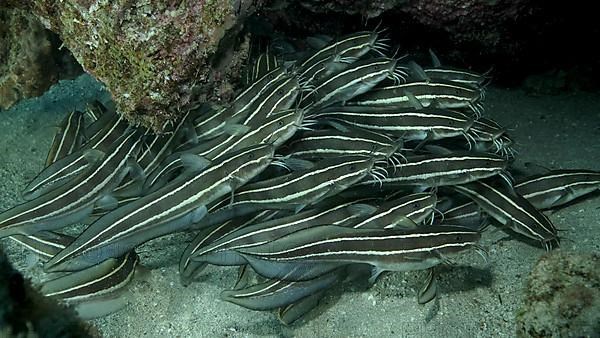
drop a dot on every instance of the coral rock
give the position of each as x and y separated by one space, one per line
562 297
149 54
27 67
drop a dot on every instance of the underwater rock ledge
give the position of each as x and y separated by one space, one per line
150 55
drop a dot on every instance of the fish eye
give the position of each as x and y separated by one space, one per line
250 156
352 168
417 205
280 92
458 238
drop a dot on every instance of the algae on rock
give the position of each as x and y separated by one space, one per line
562 298
149 54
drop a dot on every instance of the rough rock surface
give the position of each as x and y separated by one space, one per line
562 297
27 67
150 55
26 313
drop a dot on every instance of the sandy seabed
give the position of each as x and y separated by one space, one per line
560 131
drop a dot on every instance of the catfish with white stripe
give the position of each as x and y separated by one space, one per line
433 94
308 253
296 190
414 124
68 138
511 210
275 130
46 244
440 170
74 200
558 187
318 144
335 55
188 268
264 63
69 167
358 78
467 214
91 288
170 209
277 293
156 148
462 76
221 251
212 124
392 214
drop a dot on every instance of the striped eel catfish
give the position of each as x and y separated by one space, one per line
72 165
170 209
511 210
290 313
358 78
558 187
433 94
264 63
443 169
46 244
212 124
419 124
308 253
221 251
68 137
296 190
97 290
189 269
461 76
274 130
319 144
157 147
75 200
335 55
277 293
392 214
467 214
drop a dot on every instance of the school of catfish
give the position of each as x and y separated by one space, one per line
334 163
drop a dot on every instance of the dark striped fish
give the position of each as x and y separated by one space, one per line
430 124
467 214
221 251
393 214
358 78
69 167
319 144
188 268
263 64
89 290
511 210
68 138
74 200
212 124
170 209
297 189
335 55
274 130
461 76
558 187
46 244
278 293
441 170
431 94
308 253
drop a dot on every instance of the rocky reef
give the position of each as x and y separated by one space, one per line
150 55
27 66
562 297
